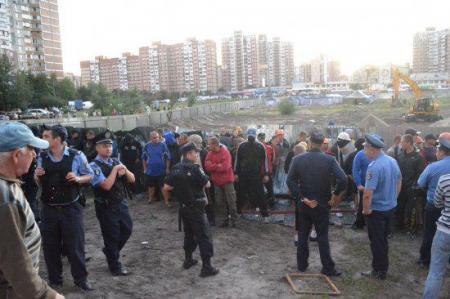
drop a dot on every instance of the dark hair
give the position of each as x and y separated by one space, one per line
57 131
214 140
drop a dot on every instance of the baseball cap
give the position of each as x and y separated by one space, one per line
374 140
189 147
14 135
251 132
344 136
430 136
412 131
444 140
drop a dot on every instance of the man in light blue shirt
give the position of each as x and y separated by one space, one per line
383 183
359 170
429 180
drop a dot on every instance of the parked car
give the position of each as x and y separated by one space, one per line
37 113
3 116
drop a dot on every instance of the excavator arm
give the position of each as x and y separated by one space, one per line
396 77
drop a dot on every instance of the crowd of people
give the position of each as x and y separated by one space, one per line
401 189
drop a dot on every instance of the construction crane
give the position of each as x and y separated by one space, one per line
423 108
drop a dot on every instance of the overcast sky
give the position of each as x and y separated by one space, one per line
355 32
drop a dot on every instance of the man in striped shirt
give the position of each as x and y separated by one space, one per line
20 238
440 250
428 180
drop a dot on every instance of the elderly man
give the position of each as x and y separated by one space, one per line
20 237
383 184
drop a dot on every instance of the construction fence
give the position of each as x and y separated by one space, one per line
152 119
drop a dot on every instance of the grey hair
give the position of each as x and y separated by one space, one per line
4 156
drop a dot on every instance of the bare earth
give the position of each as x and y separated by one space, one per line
252 259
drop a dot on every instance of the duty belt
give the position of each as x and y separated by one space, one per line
194 203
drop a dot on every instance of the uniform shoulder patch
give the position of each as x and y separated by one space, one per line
97 172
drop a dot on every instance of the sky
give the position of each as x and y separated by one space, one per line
354 32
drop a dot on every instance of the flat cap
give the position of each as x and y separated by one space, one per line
374 140
189 147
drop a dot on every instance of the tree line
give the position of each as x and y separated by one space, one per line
23 90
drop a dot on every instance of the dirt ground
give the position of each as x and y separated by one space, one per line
252 259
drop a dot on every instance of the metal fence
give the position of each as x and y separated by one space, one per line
157 118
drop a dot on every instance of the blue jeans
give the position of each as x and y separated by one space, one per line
440 252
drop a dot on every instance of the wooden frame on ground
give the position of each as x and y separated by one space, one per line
335 291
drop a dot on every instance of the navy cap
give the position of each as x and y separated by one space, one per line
375 140
104 141
317 137
14 135
412 131
262 135
251 132
189 147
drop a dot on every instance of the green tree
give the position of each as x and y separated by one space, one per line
42 90
5 82
286 106
22 91
192 99
66 90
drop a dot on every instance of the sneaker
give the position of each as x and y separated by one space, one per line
313 236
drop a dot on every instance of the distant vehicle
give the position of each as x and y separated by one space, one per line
182 100
167 101
37 113
3 116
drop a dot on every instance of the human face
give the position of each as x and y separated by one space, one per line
370 151
47 135
192 156
22 159
213 147
104 150
154 138
406 146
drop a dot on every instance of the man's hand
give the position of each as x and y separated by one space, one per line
219 165
72 177
119 167
121 172
208 185
265 179
39 171
59 296
310 203
236 178
367 211
361 188
333 201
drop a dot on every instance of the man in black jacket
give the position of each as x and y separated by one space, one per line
309 181
411 165
251 171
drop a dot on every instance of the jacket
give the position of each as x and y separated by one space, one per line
218 165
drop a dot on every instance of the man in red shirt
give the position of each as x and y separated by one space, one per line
218 165
270 158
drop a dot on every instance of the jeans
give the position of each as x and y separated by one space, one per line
432 214
440 252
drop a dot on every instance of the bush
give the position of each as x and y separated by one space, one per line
286 107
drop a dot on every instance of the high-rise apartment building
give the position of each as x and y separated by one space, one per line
29 35
233 62
190 66
431 51
250 70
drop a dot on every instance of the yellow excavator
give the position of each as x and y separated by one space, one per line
423 108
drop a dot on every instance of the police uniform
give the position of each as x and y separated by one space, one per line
188 181
382 177
111 209
310 176
62 215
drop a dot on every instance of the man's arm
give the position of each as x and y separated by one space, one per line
367 201
341 178
292 180
356 170
15 262
440 192
422 182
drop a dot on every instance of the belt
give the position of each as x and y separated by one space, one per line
197 202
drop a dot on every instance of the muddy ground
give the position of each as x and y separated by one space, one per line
252 259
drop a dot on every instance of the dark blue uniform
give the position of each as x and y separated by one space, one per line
188 180
111 208
310 177
62 216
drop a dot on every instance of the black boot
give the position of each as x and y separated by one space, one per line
208 269
189 261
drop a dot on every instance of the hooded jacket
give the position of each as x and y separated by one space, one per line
218 165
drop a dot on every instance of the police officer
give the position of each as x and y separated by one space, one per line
309 180
111 208
187 181
383 184
60 172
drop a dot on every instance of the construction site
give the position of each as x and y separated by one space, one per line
255 258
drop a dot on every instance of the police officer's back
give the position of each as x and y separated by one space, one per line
309 180
187 181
